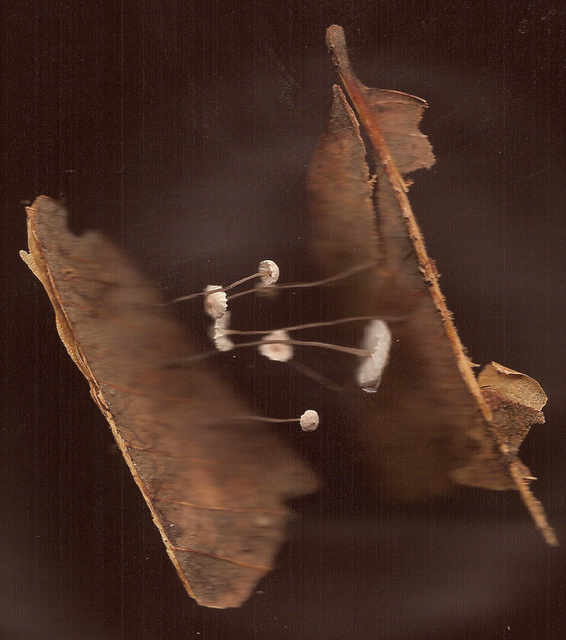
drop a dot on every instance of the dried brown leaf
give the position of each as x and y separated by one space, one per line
216 487
429 425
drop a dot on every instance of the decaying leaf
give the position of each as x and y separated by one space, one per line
216 486
515 401
429 425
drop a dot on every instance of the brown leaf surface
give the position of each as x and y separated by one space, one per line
430 425
216 487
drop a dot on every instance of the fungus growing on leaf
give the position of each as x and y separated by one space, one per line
219 331
275 346
377 339
215 304
269 272
309 420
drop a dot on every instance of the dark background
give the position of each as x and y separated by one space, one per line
183 130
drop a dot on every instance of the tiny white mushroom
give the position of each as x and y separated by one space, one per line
218 333
269 272
309 420
377 339
276 350
215 304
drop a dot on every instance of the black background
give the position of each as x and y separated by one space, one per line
182 130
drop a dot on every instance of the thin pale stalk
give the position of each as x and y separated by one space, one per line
304 285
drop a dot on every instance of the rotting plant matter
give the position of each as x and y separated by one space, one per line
431 424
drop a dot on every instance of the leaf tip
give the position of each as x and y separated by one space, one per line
336 43
335 36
